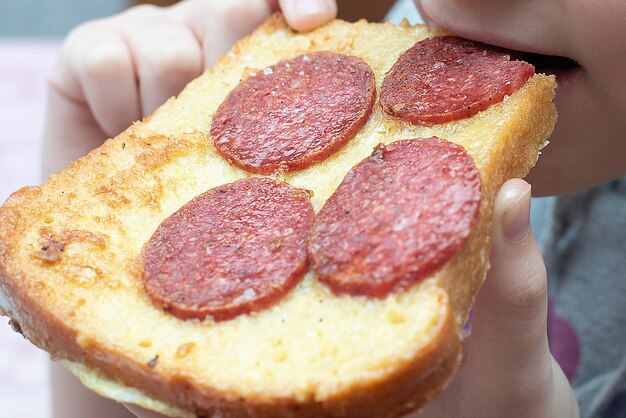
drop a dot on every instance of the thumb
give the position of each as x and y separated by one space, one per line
509 336
304 15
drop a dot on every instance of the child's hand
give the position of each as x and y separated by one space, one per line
507 369
588 144
114 71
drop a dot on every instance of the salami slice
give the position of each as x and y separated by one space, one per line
233 250
295 113
396 217
444 79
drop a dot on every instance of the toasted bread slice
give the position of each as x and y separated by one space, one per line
70 270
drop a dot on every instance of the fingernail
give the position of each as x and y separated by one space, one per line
516 219
311 7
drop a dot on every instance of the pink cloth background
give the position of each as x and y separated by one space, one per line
24 65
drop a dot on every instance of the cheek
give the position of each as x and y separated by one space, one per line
601 49
584 148
589 119
600 30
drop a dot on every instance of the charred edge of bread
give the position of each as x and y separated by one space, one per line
399 393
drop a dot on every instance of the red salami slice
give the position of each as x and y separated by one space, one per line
235 249
396 217
295 113
443 79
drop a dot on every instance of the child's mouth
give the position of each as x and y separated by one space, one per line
561 67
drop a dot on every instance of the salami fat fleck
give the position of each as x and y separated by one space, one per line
444 79
235 249
295 113
396 217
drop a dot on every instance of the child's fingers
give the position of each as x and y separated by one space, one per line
70 132
218 24
106 72
165 59
513 300
304 15
96 68
509 337
533 26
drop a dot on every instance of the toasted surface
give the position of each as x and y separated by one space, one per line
71 276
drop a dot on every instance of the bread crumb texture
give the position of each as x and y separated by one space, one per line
70 253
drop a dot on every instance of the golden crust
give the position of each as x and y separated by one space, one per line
311 355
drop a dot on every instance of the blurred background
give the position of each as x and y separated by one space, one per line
51 18
31 32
